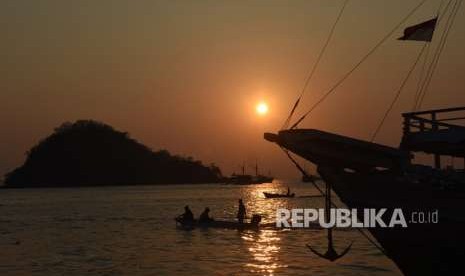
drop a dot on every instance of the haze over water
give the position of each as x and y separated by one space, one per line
130 230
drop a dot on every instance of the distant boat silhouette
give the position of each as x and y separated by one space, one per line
310 178
272 195
247 179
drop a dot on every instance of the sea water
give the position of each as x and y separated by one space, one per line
130 231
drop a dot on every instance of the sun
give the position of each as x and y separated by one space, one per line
261 108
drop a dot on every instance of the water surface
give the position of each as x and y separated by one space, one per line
131 231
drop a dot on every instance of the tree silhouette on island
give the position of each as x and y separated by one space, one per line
90 153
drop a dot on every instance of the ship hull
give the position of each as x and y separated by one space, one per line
419 249
368 175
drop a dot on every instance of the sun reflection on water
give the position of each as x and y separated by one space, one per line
264 249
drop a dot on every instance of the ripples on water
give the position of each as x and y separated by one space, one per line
130 231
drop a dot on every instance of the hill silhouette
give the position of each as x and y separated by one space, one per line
90 153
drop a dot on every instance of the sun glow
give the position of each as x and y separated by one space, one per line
262 108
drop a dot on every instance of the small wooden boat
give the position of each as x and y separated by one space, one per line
310 178
271 195
224 224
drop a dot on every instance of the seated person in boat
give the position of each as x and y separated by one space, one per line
288 191
188 216
256 219
205 217
241 212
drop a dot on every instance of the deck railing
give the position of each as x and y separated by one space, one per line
432 120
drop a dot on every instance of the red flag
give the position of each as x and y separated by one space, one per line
420 32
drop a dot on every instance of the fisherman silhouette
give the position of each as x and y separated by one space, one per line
241 212
188 216
205 217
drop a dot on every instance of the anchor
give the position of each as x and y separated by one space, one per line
331 253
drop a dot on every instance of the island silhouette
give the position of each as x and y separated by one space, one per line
91 153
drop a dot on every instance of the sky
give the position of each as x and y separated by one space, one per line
186 75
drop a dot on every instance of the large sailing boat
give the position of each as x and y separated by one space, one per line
365 174
247 179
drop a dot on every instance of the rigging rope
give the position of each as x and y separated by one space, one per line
421 77
440 48
302 170
404 82
440 7
360 230
315 65
422 80
419 96
430 66
330 91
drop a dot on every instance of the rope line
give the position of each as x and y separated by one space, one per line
421 77
360 230
440 7
399 91
449 23
330 91
315 65
422 82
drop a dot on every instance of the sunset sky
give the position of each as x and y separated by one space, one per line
187 75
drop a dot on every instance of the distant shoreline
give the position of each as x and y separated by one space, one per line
4 187
90 153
